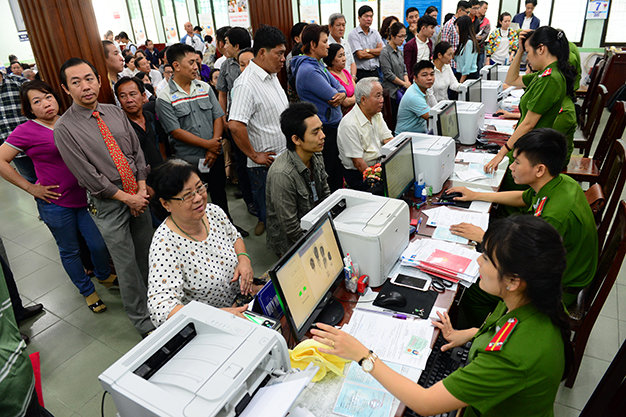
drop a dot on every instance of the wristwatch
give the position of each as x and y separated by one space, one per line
367 363
367 50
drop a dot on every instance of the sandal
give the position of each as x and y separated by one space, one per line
95 304
111 281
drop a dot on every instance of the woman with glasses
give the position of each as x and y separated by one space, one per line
392 62
196 253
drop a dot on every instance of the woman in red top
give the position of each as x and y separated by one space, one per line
336 63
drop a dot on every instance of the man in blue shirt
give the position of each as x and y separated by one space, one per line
413 111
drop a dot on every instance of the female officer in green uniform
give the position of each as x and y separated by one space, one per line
548 54
518 356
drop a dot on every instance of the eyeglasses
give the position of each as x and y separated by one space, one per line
201 189
401 36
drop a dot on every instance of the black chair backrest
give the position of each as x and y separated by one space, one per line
612 132
594 80
612 179
598 103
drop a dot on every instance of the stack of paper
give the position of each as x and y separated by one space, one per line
448 216
446 260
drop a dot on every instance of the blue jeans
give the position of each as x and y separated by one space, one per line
65 223
258 177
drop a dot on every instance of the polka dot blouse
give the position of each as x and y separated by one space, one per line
182 270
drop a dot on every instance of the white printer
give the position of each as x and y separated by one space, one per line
471 118
433 156
492 95
374 230
203 361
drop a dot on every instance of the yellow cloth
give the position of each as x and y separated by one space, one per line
307 351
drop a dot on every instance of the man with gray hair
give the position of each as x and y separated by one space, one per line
337 28
362 132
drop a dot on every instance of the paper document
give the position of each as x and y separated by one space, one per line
406 342
203 168
362 396
443 233
447 216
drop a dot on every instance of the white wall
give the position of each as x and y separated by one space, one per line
112 15
10 43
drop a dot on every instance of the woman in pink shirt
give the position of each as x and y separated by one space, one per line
61 202
336 64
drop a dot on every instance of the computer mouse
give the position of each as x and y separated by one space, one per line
392 299
450 195
498 114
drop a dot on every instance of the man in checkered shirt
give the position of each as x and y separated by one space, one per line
449 32
11 116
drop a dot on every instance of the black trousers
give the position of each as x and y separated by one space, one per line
361 73
216 182
333 166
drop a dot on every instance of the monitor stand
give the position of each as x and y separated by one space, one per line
332 313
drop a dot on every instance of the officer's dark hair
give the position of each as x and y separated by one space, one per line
426 20
197 28
431 9
440 49
420 65
178 51
533 2
268 37
556 42
292 121
364 9
543 146
36 85
410 10
463 5
466 32
501 18
333 50
220 34
125 80
72 62
239 36
107 51
167 180
396 28
312 34
296 30
529 248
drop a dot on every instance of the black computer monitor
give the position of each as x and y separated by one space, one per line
474 93
306 277
398 170
448 122
493 73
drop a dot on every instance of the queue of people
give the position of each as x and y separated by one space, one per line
133 180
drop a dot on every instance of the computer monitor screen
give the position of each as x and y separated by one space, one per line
398 171
447 122
493 72
306 276
474 91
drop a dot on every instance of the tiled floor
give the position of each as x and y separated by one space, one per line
77 345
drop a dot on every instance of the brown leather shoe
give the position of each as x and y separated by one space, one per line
259 228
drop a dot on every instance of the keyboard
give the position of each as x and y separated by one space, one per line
440 365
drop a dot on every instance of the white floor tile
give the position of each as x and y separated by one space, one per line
590 372
621 302
610 305
604 339
564 411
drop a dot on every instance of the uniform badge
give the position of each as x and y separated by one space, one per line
501 336
546 72
541 204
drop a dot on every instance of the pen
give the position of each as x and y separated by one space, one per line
443 203
399 316
418 225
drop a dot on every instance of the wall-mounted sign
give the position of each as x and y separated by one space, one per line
23 36
597 9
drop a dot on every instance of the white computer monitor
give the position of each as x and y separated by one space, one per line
307 275
398 170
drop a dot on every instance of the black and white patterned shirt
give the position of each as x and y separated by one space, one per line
10 106
182 270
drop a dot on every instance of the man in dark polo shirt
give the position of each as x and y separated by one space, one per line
100 147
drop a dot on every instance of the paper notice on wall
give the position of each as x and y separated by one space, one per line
140 32
169 23
238 14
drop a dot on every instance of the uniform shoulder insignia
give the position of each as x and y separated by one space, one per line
501 336
540 206
546 72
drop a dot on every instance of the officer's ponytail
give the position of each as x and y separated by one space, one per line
529 248
556 42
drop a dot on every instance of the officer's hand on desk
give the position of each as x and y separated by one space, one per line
339 342
467 194
492 165
455 337
468 231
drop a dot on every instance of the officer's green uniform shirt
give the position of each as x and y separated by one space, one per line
566 120
567 209
545 91
17 381
522 378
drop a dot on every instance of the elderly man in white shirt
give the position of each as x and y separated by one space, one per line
362 132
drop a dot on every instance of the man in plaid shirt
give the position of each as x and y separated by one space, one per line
11 116
449 33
